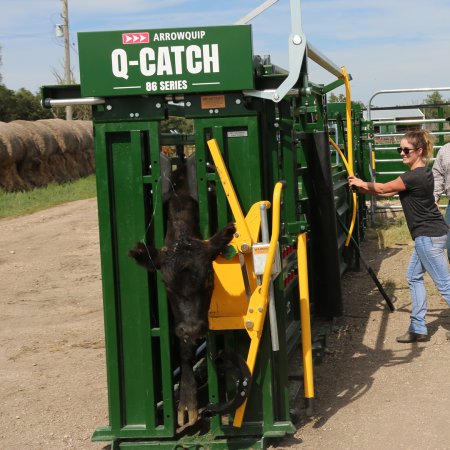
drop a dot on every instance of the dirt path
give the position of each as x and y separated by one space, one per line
372 392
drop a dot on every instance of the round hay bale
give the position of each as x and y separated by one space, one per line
28 135
10 179
4 154
84 135
43 136
34 170
67 140
12 138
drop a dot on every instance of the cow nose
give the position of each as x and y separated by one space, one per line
192 331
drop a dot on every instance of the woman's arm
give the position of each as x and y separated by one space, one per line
375 194
378 188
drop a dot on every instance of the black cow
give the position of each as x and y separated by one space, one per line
186 268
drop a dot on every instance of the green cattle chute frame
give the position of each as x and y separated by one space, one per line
261 142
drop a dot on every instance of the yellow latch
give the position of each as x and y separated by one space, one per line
232 311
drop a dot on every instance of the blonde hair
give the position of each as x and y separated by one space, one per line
421 139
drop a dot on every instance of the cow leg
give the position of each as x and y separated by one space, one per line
188 385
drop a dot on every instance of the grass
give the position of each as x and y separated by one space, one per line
14 204
389 234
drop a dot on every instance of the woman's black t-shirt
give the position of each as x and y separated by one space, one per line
422 215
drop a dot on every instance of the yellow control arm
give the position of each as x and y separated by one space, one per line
260 298
350 148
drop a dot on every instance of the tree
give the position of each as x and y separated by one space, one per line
434 99
21 105
333 98
29 106
8 106
180 124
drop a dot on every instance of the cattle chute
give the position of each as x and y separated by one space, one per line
266 124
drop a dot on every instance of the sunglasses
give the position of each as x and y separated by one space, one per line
405 150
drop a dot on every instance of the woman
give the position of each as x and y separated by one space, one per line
426 224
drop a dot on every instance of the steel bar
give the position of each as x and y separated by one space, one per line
256 12
291 92
74 101
396 122
319 58
389 108
272 311
400 91
437 133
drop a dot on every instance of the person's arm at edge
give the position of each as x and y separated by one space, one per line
439 178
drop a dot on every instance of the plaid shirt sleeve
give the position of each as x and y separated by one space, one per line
441 172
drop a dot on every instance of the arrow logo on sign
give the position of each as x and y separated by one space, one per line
136 38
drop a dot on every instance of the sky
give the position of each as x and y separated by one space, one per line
385 44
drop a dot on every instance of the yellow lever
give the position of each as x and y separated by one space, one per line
260 300
350 148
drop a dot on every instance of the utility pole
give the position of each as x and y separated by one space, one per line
67 53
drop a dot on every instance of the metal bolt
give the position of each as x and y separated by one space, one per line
243 393
260 309
216 111
238 101
207 163
302 228
150 166
211 111
244 383
209 189
276 124
244 247
297 40
131 115
188 104
276 96
109 107
251 310
249 324
136 115
158 105
236 234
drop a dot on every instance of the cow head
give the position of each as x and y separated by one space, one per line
187 271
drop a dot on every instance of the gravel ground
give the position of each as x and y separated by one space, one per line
371 392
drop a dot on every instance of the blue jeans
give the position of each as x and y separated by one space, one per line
447 219
428 256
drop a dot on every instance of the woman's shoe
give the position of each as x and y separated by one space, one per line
413 337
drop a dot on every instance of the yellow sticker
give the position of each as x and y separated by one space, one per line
213 101
260 250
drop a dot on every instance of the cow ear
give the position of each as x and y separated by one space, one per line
218 243
148 257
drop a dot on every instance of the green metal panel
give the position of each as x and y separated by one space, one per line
133 355
143 62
